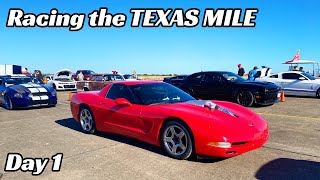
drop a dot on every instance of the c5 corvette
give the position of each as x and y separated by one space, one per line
163 115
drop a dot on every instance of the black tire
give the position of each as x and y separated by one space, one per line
7 102
318 93
184 144
88 126
245 98
54 86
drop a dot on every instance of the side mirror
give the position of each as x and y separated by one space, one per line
302 78
123 101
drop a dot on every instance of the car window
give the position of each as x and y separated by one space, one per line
120 91
197 77
159 93
98 78
213 79
292 76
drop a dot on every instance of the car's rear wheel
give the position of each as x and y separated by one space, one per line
318 93
176 140
245 98
7 102
87 120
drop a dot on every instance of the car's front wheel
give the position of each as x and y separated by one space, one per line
54 86
7 102
245 98
176 140
318 93
87 120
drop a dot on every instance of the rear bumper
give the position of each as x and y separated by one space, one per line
235 149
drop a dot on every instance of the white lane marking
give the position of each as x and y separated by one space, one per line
42 89
45 97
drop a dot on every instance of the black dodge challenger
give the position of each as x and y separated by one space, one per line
223 85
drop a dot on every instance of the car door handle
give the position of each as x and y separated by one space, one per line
102 102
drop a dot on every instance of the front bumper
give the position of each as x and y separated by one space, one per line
66 87
237 148
27 102
268 98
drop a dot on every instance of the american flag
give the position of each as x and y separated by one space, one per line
296 57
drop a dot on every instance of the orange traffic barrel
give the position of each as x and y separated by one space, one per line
71 94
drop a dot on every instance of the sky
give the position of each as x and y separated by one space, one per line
282 27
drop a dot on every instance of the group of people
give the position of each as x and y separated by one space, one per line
295 68
37 76
252 75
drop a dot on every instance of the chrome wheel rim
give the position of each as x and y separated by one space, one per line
175 140
86 120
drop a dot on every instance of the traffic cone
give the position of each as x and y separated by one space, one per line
70 95
282 98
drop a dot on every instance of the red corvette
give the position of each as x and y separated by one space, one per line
161 114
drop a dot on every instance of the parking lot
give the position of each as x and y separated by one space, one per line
292 151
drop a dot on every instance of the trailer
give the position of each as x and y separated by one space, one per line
7 69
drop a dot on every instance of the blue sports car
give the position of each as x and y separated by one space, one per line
18 91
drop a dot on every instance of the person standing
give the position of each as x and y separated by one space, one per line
301 69
252 74
240 70
80 76
39 77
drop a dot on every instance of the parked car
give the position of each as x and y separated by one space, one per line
17 91
295 83
163 115
98 82
87 74
228 86
179 77
62 80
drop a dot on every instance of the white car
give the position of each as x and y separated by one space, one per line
295 83
62 80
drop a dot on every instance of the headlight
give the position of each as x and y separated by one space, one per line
18 95
225 111
220 144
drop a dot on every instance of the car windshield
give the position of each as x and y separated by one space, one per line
16 81
308 76
159 93
87 72
113 78
232 77
128 76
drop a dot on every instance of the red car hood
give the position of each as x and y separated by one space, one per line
247 125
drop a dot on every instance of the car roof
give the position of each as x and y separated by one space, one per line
129 83
297 72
